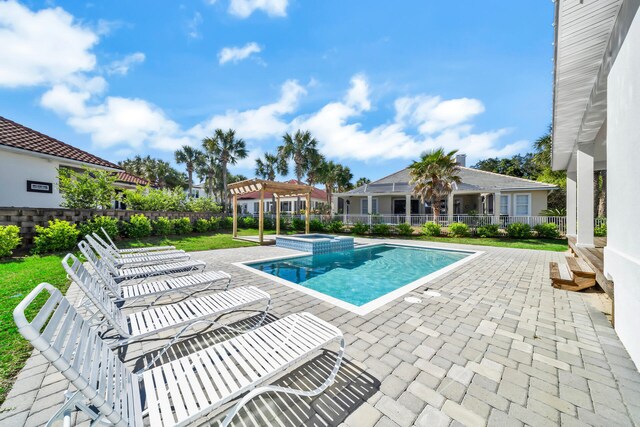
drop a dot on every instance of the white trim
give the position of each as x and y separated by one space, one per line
371 305
515 204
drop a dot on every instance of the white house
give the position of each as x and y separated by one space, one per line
250 203
480 192
29 163
596 126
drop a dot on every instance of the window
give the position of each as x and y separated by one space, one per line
364 206
522 204
285 206
256 207
504 204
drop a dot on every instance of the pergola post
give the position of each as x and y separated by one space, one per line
235 215
261 216
306 219
277 215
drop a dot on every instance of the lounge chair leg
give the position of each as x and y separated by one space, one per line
247 397
72 402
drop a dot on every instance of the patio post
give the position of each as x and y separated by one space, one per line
496 207
307 210
277 215
571 204
235 215
261 216
449 208
585 195
407 210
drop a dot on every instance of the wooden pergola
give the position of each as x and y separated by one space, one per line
278 189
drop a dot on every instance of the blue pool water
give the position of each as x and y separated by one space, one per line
361 275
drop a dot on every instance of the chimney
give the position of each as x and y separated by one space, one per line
461 160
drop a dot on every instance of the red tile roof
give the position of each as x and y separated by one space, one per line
130 179
316 193
16 135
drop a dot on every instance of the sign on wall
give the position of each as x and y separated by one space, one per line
39 187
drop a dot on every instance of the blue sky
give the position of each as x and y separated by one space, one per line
376 82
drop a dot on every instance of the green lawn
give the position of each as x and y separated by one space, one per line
18 276
555 245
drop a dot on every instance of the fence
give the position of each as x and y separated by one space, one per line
28 218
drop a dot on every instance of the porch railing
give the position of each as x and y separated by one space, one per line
443 220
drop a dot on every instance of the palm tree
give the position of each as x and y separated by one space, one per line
362 181
190 157
208 169
434 176
344 178
302 148
229 150
267 168
334 176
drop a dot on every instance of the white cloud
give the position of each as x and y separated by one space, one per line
42 47
122 66
260 123
431 114
244 8
64 101
235 54
193 26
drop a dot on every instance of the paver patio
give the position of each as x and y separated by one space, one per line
497 346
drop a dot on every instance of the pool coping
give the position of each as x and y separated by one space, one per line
371 305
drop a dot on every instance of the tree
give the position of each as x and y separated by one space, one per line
90 189
344 178
434 176
557 199
190 157
267 168
208 169
156 171
302 149
334 176
362 181
229 150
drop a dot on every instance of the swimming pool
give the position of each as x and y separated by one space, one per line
365 278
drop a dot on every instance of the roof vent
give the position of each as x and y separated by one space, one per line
461 160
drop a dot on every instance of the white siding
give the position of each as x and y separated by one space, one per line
622 254
16 169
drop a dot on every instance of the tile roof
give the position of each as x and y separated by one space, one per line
130 179
16 135
316 193
472 180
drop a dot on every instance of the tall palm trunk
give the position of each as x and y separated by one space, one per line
435 209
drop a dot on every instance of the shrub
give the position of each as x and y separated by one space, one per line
359 228
58 236
202 204
138 226
431 229
162 226
547 230
182 225
214 223
152 199
459 229
600 230
335 226
518 230
316 225
284 223
248 222
202 225
297 224
9 239
381 229
95 224
404 229
489 230
89 189
226 223
269 224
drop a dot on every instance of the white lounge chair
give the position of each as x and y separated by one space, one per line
118 255
135 250
128 294
145 271
141 259
145 323
175 393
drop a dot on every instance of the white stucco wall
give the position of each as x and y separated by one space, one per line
622 254
16 169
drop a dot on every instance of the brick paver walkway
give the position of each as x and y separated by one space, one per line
492 343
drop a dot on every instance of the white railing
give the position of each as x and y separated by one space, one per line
443 220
